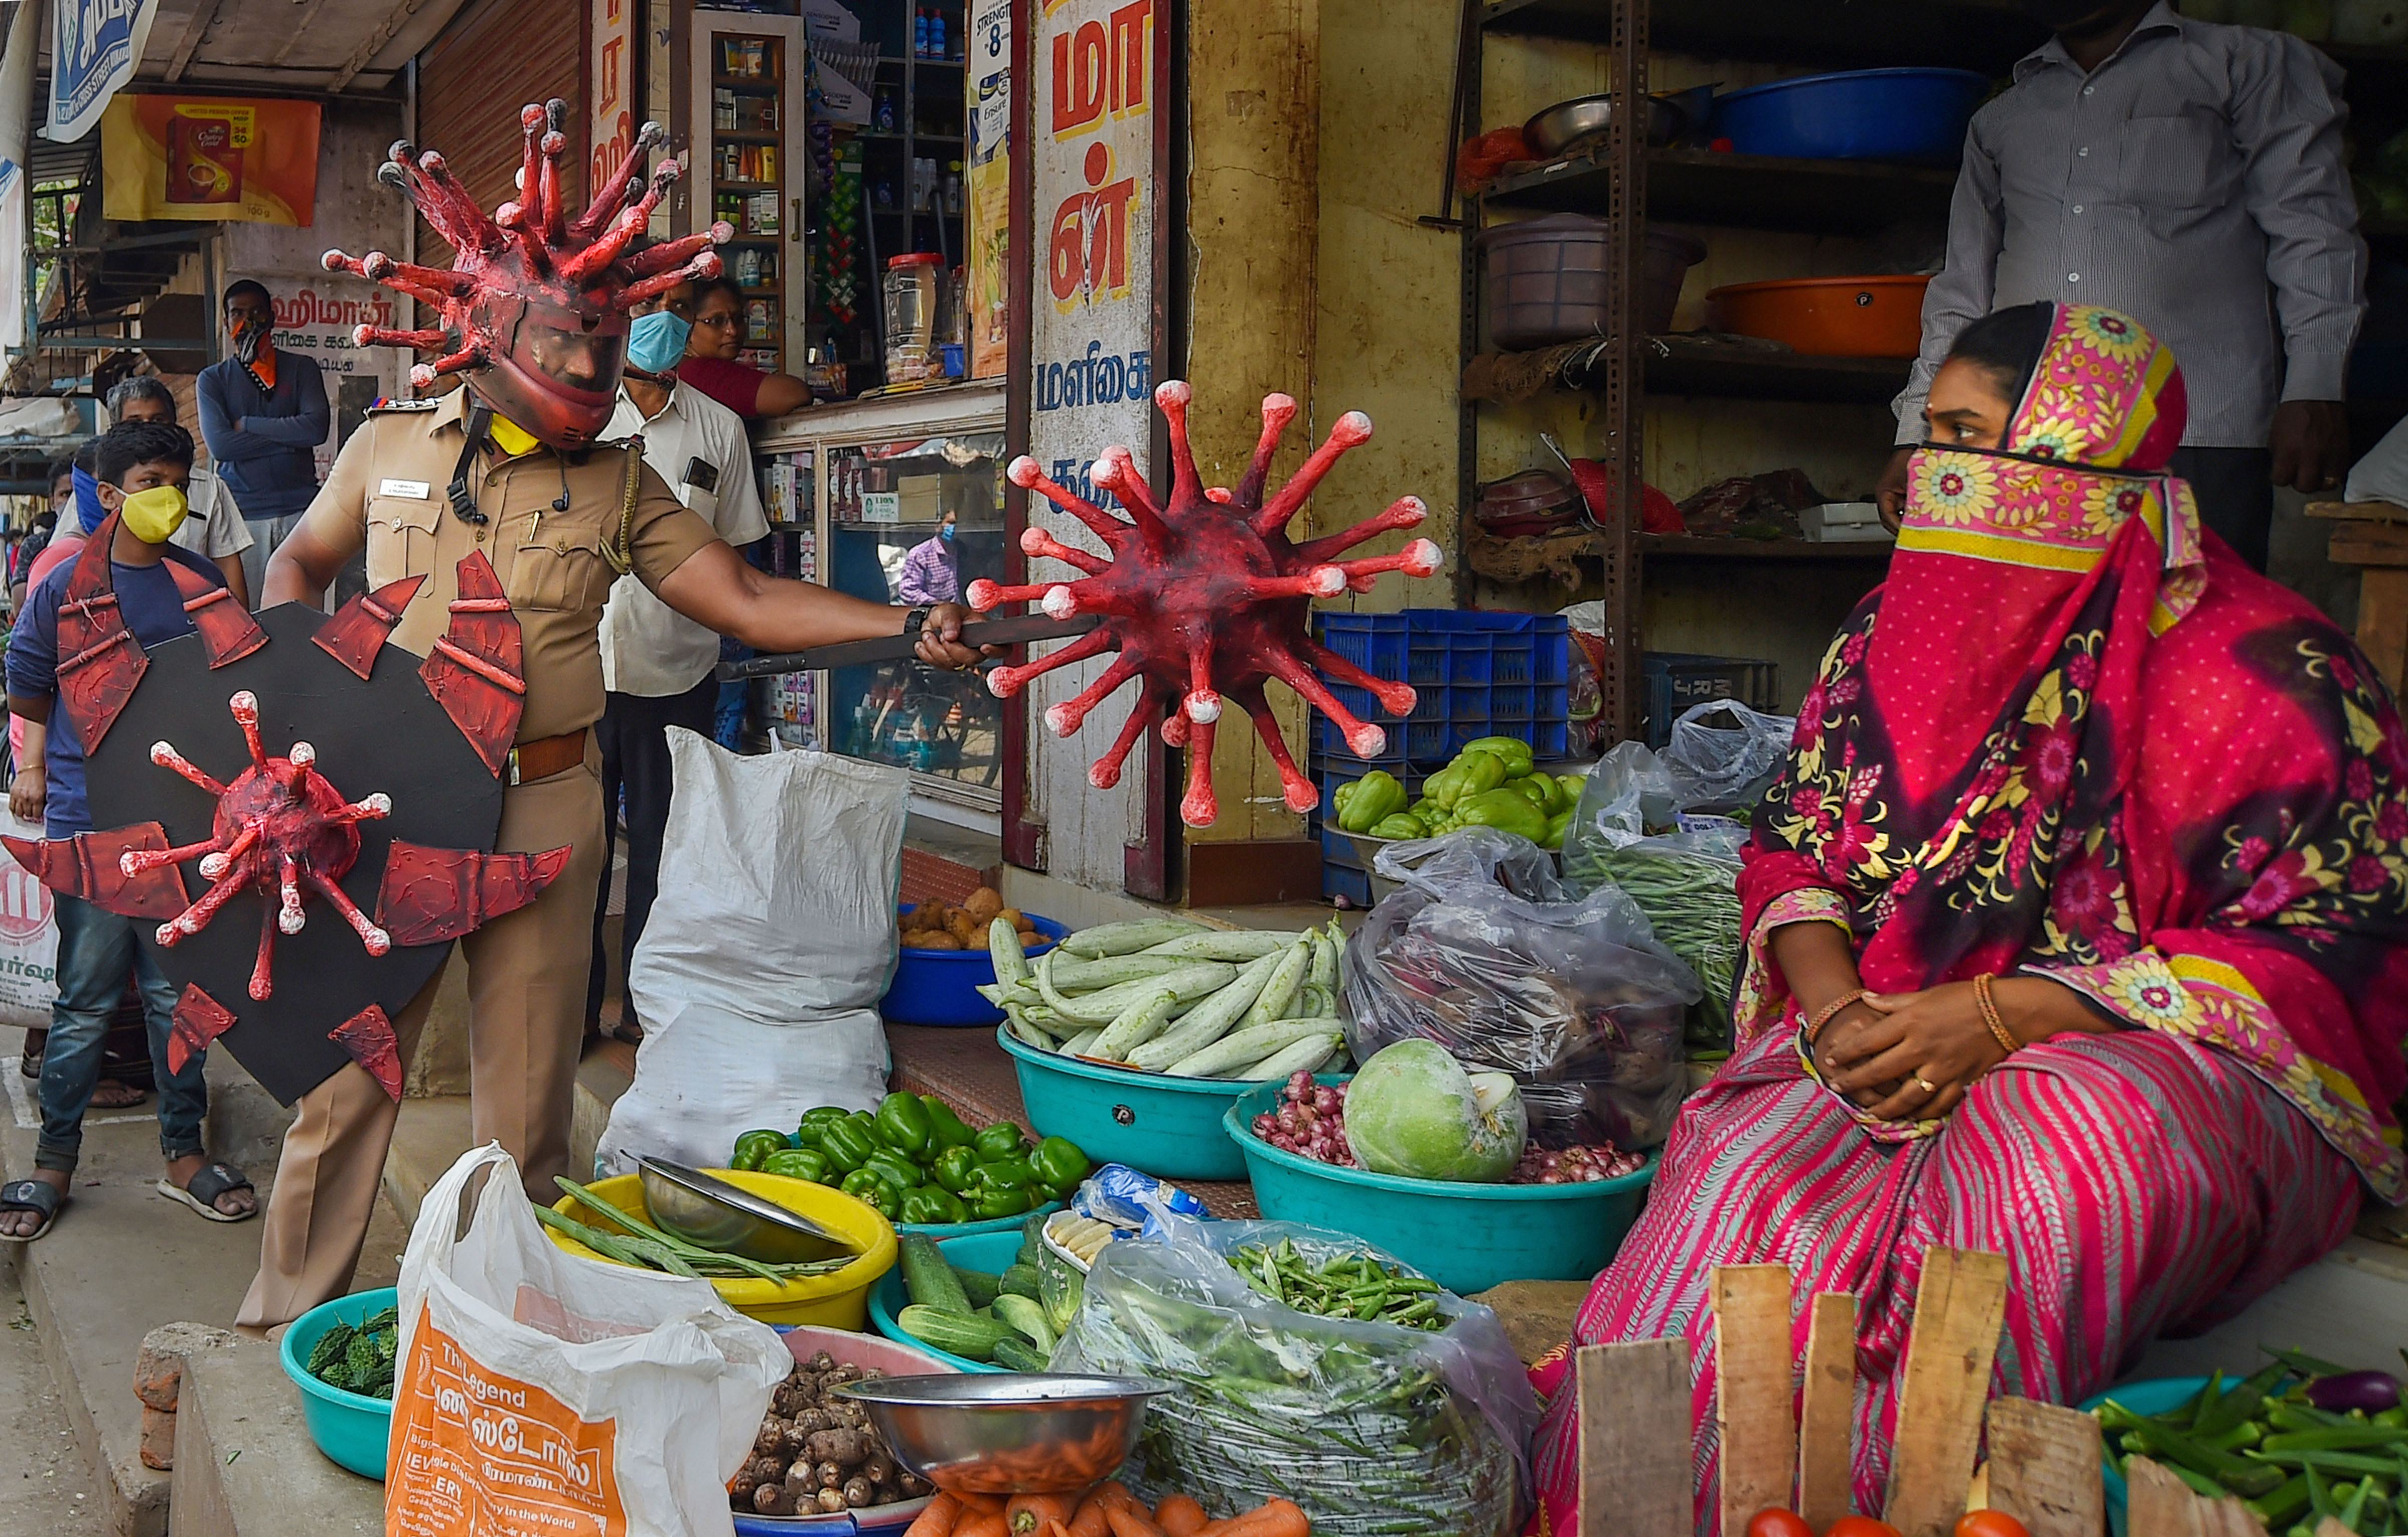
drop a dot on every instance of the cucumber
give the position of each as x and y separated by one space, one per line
1225 1056
1210 1020
928 1278
979 1286
1032 1241
1190 982
1306 1055
1281 990
1019 1281
1128 938
1026 1315
1019 1356
955 1333
1239 944
1003 946
1139 1023
1060 1287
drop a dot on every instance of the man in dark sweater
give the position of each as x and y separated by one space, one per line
263 413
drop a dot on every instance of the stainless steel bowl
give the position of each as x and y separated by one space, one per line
1568 123
706 1210
1005 1432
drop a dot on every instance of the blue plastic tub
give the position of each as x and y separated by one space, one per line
1466 1237
1860 114
352 1428
1169 1127
940 987
988 1252
2153 1397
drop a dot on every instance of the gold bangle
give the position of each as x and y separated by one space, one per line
1989 1008
1824 1015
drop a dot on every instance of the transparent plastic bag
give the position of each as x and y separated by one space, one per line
1374 1428
1486 951
1722 766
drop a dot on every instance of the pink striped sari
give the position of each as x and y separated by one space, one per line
2072 736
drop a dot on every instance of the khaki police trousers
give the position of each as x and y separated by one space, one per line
527 1023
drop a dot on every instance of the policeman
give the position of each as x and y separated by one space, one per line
534 321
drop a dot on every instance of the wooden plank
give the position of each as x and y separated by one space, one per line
2360 512
2044 1469
1755 1407
2161 1505
2383 621
1826 1449
1634 1439
1957 1310
2367 544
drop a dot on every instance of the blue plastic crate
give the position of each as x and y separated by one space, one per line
1425 664
1425 742
1471 659
1431 703
1354 885
1471 704
1677 680
1337 852
1327 744
1511 702
1552 702
1374 641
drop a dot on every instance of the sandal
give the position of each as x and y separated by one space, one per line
112 1095
30 1065
210 1181
30 1196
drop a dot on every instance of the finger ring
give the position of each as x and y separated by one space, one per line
1928 1086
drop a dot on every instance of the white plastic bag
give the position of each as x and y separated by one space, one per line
768 947
29 938
540 1391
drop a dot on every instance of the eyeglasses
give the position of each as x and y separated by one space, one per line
718 322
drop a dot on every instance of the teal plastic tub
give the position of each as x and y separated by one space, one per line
2153 1396
943 1231
1467 1238
352 1428
1168 1127
988 1252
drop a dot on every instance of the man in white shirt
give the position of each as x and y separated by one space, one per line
215 529
657 662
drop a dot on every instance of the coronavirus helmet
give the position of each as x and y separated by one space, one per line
533 312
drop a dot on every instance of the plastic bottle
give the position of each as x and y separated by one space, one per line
937 49
919 33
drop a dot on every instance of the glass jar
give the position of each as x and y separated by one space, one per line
914 289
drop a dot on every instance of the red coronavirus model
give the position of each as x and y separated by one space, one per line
1203 594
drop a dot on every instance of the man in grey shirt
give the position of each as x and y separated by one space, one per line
2192 176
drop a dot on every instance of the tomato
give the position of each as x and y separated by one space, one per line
1861 1526
1989 1523
1777 1522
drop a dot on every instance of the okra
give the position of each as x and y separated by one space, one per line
2284 1506
1126 939
2358 1438
2174 1447
1280 992
2332 1462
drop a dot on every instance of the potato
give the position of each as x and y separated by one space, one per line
1030 938
936 940
983 904
1013 917
971 936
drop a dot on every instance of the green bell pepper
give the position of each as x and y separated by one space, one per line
1558 825
1399 825
1513 751
1534 789
1376 795
990 1202
945 1128
1000 1141
1008 1174
848 1144
799 1163
904 1123
930 1206
864 1186
752 1146
1058 1162
894 1168
956 1168
1506 811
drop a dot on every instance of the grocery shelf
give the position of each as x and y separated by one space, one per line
1685 365
1756 192
1703 547
1985 35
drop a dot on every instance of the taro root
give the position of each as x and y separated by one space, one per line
844 1448
771 1438
878 1467
859 1491
830 1500
811 1421
823 1363
830 1476
770 1500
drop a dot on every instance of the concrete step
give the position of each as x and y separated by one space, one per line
245 1465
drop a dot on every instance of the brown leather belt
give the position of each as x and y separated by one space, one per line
547 756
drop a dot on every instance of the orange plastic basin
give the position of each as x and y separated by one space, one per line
1827 317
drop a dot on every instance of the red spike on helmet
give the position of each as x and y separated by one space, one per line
534 310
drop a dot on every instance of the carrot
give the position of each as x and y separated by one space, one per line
1273 1518
1089 1519
1028 1513
1130 1520
938 1519
1177 1514
981 1504
1055 1528
986 1525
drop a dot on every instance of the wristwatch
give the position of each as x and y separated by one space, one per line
916 621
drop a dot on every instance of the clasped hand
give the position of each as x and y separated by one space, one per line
1908 1056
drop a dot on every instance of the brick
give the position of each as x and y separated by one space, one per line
159 1438
158 1368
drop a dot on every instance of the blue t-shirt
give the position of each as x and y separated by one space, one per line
153 610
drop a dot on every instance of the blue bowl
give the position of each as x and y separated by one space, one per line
1860 114
1168 1127
1466 1237
940 987
2153 1396
352 1428
988 1252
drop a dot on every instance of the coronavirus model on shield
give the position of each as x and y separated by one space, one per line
1204 596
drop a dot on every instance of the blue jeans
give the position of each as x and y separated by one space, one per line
97 951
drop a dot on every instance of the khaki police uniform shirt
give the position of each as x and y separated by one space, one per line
389 491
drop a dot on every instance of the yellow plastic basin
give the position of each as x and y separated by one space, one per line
839 1299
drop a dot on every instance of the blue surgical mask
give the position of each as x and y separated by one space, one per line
656 341
946 533
90 514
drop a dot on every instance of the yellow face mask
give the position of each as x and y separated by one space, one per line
510 437
156 513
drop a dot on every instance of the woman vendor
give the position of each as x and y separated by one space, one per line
2077 922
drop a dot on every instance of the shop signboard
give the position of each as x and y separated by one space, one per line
315 314
243 159
988 111
96 47
611 62
1095 118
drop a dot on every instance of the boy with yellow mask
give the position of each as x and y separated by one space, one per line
142 470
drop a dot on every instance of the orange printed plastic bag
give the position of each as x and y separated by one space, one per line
544 1395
